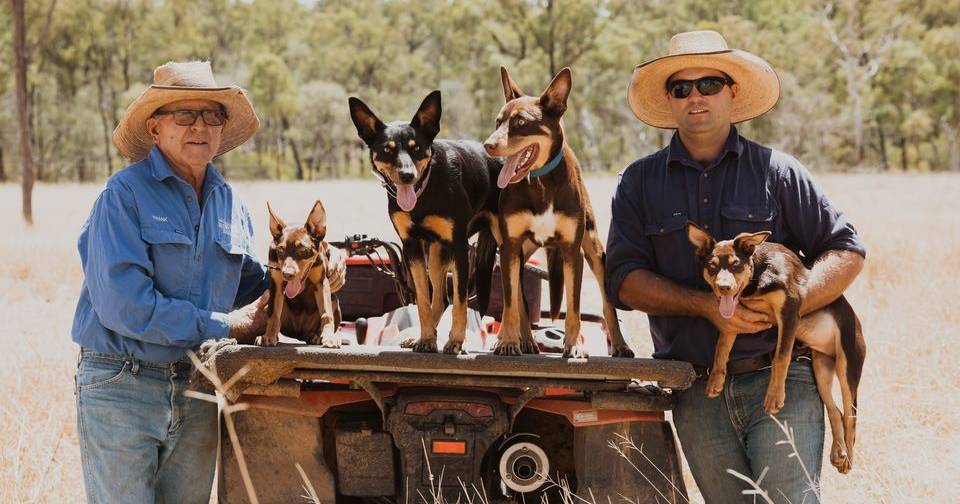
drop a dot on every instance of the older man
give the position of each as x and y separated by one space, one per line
167 254
727 184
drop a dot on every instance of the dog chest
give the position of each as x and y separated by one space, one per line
544 227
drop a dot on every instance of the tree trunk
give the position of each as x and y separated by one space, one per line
104 125
285 125
23 113
882 139
953 160
3 171
903 153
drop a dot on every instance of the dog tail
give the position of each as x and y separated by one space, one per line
555 279
485 259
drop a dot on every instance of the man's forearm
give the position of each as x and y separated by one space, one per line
655 294
830 275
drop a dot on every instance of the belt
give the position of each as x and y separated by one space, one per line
751 364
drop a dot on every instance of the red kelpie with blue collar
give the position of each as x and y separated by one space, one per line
544 204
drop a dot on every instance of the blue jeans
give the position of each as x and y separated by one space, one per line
141 439
733 432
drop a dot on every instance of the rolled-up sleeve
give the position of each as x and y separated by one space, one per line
628 249
815 223
118 273
254 279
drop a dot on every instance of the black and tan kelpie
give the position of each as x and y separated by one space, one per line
749 267
301 304
440 193
545 203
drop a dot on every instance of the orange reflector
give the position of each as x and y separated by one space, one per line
449 447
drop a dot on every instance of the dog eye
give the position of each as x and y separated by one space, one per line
521 122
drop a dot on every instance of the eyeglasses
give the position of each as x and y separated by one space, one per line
189 117
705 85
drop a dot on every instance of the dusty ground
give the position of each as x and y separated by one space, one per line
909 429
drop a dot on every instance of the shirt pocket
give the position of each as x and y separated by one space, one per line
738 218
232 248
171 253
674 253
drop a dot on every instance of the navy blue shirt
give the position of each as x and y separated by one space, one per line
748 188
161 272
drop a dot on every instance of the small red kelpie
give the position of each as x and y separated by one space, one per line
545 204
749 267
301 304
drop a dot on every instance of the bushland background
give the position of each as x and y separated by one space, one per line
870 102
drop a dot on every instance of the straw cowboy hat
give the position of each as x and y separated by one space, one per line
184 81
759 84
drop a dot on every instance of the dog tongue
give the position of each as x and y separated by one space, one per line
727 305
509 170
293 288
406 198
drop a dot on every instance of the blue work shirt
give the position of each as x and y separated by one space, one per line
749 188
161 271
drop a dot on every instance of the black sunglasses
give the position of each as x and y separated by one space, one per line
189 117
705 85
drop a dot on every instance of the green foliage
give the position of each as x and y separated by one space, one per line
865 83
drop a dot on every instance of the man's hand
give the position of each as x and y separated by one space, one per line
250 321
337 270
747 317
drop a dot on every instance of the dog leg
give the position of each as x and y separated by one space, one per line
438 279
824 369
508 340
527 344
787 317
461 276
327 337
271 335
573 281
413 252
718 371
849 411
593 251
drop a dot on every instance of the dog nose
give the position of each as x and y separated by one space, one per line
724 288
490 147
406 177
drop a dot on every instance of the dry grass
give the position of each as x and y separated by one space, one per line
909 431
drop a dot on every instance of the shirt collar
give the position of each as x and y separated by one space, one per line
678 153
162 171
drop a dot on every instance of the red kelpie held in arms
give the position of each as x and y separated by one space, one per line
748 267
440 194
301 304
544 204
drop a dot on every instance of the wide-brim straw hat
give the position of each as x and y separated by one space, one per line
173 82
759 84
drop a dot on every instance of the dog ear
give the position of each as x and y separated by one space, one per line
427 118
367 123
748 242
317 221
702 242
511 91
276 224
554 98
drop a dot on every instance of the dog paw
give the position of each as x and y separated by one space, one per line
715 385
622 351
574 352
267 340
511 348
330 341
425 346
773 402
454 348
409 342
528 346
840 459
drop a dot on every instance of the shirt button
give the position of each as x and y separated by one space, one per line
196 228
750 215
706 200
661 230
705 174
706 226
189 199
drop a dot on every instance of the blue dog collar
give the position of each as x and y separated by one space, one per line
549 167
